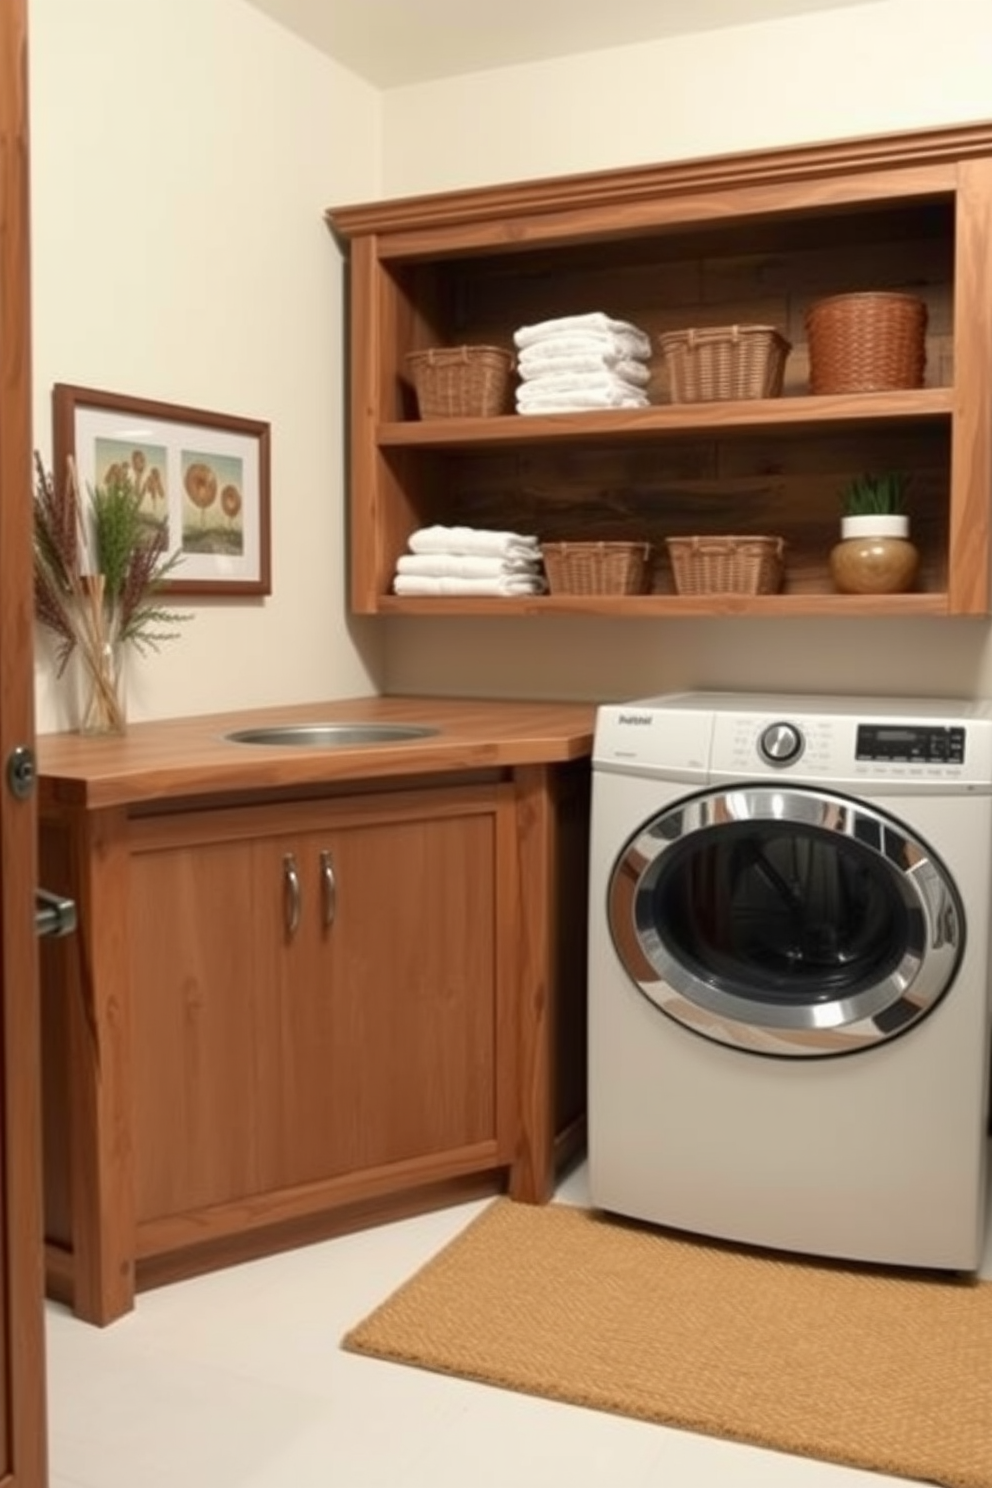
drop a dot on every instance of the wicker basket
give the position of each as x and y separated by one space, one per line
726 565
596 567
461 381
866 343
739 361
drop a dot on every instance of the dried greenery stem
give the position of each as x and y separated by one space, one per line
876 495
98 574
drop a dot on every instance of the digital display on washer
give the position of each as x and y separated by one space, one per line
920 744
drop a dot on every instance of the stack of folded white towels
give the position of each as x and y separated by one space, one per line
582 362
470 560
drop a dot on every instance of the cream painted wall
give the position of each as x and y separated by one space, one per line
183 153
886 66
882 66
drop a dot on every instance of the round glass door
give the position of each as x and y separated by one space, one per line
793 922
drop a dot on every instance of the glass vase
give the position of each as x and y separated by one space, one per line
103 707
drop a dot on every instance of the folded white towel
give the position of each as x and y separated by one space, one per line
473 540
509 584
548 386
605 344
628 368
595 320
465 565
578 400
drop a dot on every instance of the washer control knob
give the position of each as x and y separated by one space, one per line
780 744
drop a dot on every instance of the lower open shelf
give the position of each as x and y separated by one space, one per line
657 606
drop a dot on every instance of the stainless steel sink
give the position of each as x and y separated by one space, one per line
332 735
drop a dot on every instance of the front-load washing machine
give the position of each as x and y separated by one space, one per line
789 1002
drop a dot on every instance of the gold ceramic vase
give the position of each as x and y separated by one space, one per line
874 556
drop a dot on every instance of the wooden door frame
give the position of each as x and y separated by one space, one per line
22 1362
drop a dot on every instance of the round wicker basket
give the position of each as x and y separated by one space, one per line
870 342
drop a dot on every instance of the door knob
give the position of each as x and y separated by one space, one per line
21 772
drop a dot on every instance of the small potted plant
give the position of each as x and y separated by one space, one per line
874 555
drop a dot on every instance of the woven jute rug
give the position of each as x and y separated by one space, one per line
862 1366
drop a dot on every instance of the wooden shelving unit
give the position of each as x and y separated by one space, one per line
746 239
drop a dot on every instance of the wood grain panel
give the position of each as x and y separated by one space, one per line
89 1047
181 1245
730 276
380 1040
537 1013
971 453
788 488
681 200
186 759
879 161
22 1339
197 1027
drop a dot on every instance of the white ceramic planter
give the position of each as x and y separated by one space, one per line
874 524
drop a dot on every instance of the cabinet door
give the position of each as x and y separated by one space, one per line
195 991
383 1045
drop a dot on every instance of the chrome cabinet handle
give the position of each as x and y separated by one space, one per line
292 897
328 889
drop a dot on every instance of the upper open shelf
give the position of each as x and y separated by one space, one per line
673 421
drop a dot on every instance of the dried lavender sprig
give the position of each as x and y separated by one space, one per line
115 602
56 561
148 569
56 522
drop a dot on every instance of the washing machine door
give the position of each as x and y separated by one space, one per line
791 922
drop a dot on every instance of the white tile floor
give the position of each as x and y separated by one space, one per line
236 1380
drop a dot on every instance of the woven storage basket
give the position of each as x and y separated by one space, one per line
866 343
596 567
740 361
461 381
726 565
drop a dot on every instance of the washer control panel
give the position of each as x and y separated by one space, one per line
889 744
847 747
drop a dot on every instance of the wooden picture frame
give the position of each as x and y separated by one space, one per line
204 475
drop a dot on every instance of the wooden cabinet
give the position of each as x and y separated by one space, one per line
288 1013
739 239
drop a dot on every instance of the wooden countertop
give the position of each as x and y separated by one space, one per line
186 757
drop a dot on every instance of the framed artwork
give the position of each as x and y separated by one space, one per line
204 477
